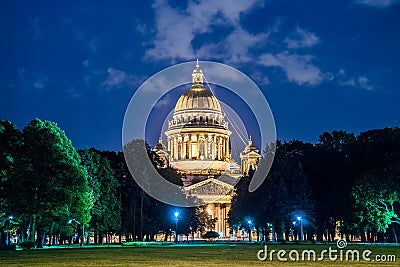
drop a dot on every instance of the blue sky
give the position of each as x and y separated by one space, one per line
322 65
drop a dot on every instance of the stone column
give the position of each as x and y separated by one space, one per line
175 147
183 147
169 148
213 147
190 145
219 148
205 146
227 147
223 148
198 146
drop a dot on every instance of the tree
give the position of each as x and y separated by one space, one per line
106 211
10 165
331 179
374 203
54 187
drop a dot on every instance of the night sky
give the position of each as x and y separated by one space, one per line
322 65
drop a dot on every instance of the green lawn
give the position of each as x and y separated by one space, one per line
218 255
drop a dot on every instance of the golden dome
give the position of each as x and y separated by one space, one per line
197 97
250 146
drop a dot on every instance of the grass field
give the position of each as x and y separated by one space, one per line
206 255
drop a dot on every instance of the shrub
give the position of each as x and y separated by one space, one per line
210 235
28 244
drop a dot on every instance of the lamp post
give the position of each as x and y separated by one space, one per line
301 229
9 218
267 238
294 228
83 230
249 222
176 226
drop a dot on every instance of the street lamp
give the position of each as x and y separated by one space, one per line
176 226
9 218
83 230
301 229
249 222
294 225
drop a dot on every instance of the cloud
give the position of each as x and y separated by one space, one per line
349 82
36 29
354 81
298 68
364 83
376 3
165 101
260 78
179 33
93 45
176 29
231 50
85 63
118 78
29 80
74 92
301 38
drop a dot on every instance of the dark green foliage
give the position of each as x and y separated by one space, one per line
106 211
347 185
28 244
54 187
210 235
10 170
284 195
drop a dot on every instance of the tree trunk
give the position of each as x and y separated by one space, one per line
395 234
101 238
3 238
279 233
133 214
166 235
44 238
39 243
88 237
362 233
141 216
31 228
51 235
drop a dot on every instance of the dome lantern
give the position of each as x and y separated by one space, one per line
197 75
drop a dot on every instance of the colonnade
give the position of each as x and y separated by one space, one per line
198 146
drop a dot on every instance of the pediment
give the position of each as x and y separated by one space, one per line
210 187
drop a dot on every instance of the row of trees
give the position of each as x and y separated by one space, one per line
49 191
344 185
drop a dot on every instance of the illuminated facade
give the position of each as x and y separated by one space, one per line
198 147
